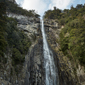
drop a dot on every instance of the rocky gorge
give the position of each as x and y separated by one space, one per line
33 71
43 59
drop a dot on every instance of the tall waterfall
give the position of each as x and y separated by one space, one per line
50 69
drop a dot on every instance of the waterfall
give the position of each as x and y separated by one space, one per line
51 74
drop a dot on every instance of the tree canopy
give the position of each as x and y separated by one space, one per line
72 36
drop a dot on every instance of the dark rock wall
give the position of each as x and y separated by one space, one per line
35 72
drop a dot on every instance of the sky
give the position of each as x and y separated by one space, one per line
40 6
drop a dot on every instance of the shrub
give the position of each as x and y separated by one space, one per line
17 57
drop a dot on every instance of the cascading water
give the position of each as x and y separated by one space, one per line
51 75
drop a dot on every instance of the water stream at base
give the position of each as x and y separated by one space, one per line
51 75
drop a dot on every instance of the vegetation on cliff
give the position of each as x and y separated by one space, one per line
3 42
17 41
72 36
13 42
15 8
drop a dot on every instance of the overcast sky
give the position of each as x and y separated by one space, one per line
40 6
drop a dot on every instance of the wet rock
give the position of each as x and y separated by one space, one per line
36 66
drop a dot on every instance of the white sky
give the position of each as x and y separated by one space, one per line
42 5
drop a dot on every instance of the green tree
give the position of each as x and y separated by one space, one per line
2 28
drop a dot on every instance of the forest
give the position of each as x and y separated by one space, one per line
72 36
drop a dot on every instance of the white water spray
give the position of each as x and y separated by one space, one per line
51 75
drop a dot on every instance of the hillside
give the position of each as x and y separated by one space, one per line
19 33
15 8
66 30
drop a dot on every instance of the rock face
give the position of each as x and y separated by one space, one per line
35 72
30 25
68 72
31 72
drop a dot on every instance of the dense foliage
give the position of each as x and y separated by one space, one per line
13 42
2 29
72 36
17 41
15 8
53 14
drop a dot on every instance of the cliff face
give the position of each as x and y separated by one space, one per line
69 73
31 71
29 25
35 70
